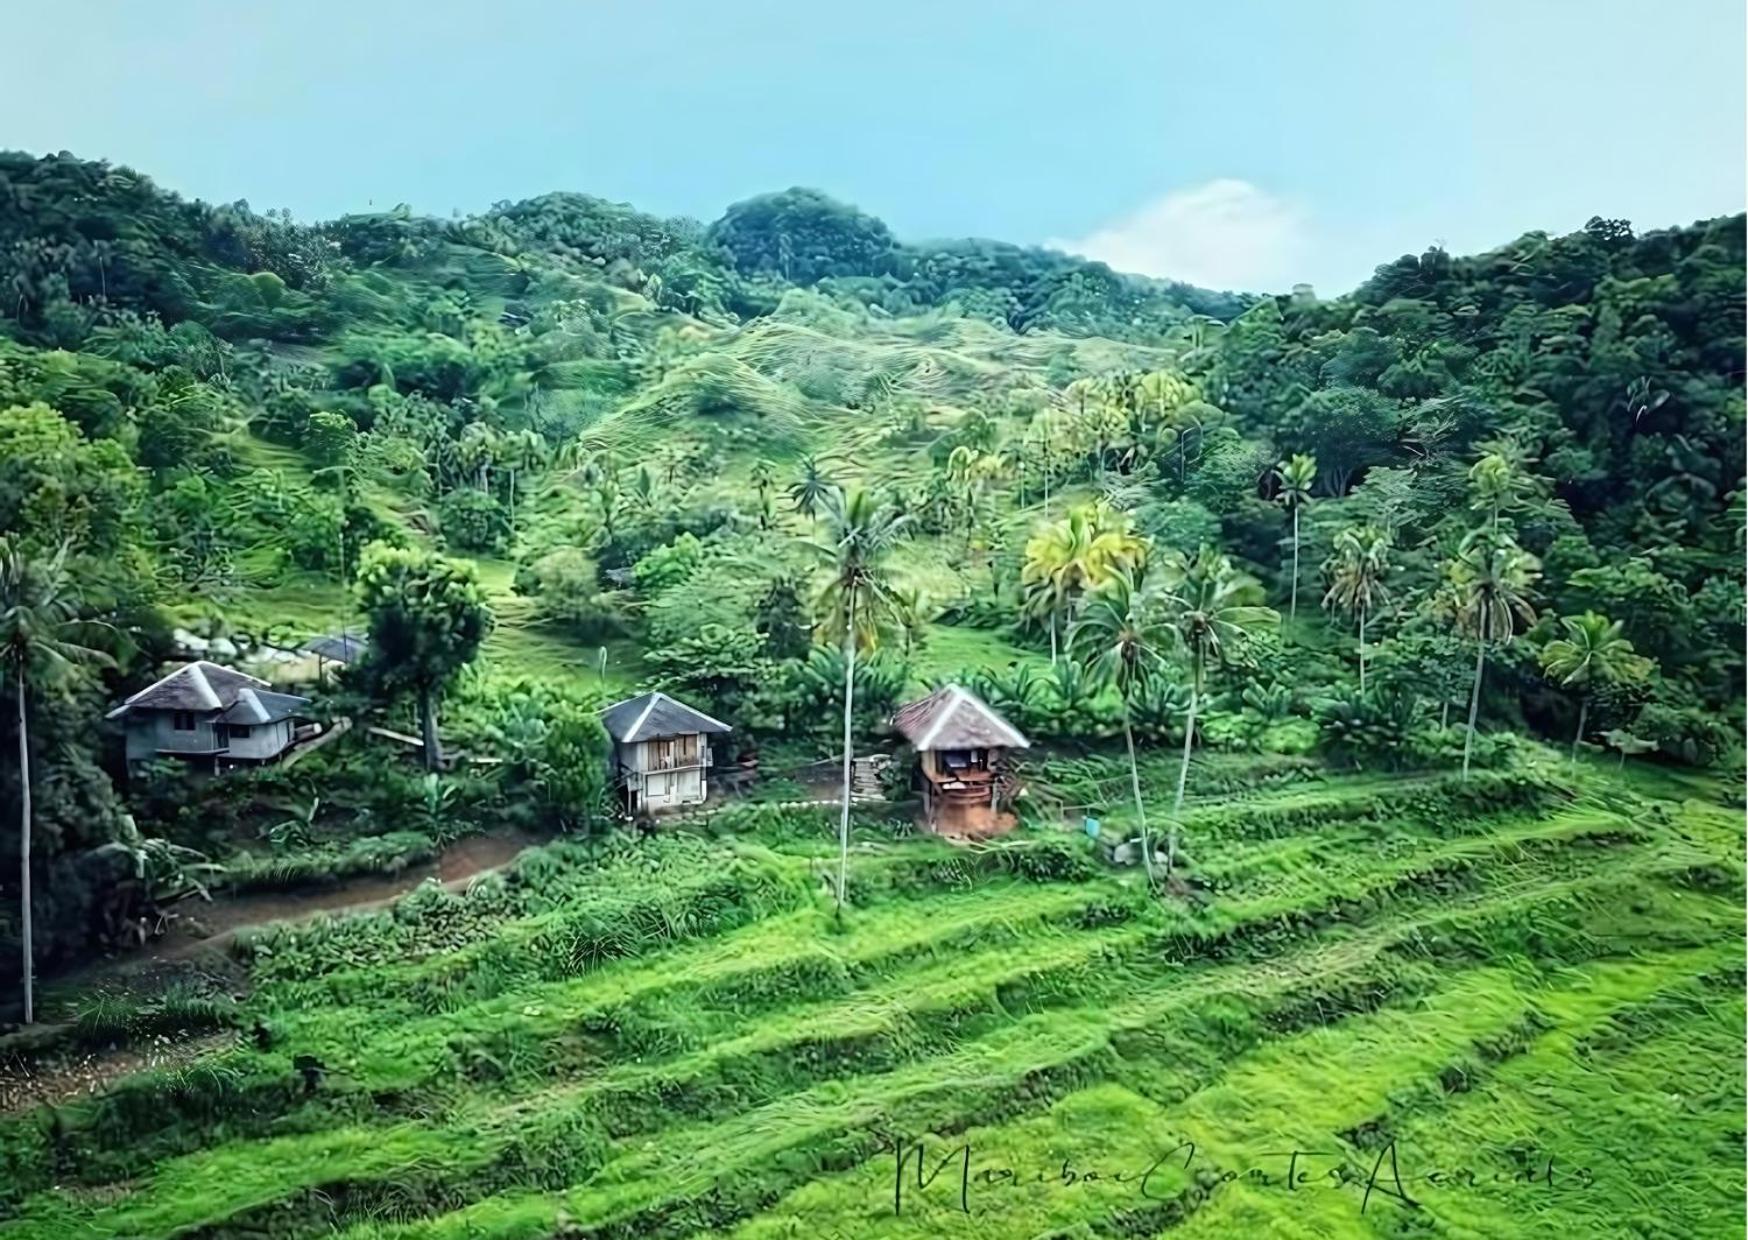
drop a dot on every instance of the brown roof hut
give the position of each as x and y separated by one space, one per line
962 767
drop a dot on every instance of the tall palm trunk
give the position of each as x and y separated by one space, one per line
24 854
428 728
849 701
1183 770
1135 787
1293 603
1475 698
1053 638
1583 709
1362 650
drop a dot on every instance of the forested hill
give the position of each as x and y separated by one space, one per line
73 221
630 424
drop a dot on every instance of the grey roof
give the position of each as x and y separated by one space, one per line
953 717
262 706
655 715
338 647
199 686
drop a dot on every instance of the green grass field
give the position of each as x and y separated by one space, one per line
1501 1022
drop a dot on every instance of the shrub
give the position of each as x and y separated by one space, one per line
473 520
564 584
670 564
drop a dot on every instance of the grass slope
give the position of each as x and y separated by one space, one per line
1536 1010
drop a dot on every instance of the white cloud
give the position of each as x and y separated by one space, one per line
1224 234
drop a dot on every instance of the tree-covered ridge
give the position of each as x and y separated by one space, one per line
1388 635
641 428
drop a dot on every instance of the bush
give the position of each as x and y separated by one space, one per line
390 854
473 520
1689 734
670 564
564 584
328 437
554 749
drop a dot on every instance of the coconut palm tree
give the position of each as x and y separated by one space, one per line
1356 573
1216 611
1048 426
1066 559
518 452
808 493
857 604
1592 655
39 616
1296 475
962 472
1493 577
1121 633
1498 484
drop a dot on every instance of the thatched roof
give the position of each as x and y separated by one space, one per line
654 716
260 706
953 717
204 688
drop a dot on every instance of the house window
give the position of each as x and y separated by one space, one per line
239 731
965 759
183 721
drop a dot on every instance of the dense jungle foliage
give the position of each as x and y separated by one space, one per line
635 428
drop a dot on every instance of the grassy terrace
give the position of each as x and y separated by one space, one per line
1529 992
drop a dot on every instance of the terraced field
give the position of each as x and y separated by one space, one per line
1507 1008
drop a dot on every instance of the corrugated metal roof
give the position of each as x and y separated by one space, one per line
656 715
953 717
339 647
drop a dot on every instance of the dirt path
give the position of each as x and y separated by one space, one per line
78 1073
215 925
194 950
201 925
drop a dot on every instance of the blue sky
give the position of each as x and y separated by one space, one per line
1249 143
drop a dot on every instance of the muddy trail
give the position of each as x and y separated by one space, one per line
212 926
46 1064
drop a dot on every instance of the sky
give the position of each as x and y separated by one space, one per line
1246 144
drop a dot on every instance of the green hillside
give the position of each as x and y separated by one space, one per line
1537 1009
1397 637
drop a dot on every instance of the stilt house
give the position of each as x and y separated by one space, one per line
962 767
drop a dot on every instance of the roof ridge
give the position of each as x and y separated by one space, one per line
957 696
202 683
631 734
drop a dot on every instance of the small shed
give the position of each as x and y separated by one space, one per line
332 651
661 752
962 769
